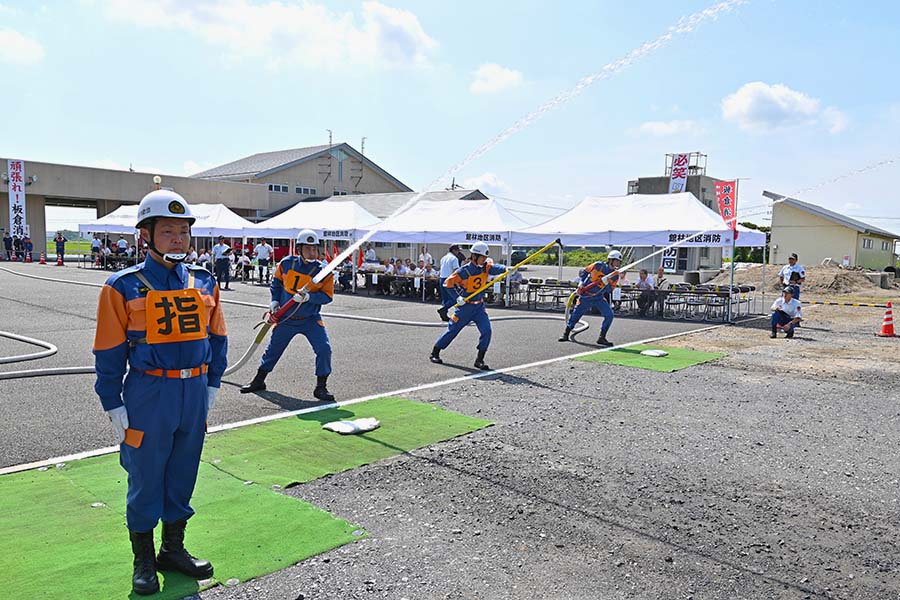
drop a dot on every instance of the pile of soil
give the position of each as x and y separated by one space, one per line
822 280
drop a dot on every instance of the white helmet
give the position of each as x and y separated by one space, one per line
614 255
163 204
479 248
308 237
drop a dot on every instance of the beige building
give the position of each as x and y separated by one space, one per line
312 173
816 233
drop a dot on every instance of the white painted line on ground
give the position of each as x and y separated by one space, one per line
284 415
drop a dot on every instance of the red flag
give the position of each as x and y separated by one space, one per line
726 194
359 263
327 258
334 251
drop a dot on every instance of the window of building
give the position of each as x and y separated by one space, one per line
381 245
402 245
305 190
633 186
867 243
885 245
277 187
340 170
313 191
340 192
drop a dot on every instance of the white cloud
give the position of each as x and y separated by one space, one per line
852 206
487 182
491 78
18 49
281 34
759 107
665 128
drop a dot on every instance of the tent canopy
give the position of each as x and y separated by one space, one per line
212 220
331 220
451 221
638 220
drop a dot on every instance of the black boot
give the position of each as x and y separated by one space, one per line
321 392
258 383
144 580
436 356
173 557
602 341
565 335
442 311
479 361
774 333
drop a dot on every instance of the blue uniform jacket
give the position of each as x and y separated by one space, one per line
470 277
595 272
122 322
291 275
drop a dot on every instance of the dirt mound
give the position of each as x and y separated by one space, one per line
824 280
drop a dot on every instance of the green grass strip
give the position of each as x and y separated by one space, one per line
56 544
678 358
296 450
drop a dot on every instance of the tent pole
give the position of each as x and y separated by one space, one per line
353 262
559 254
506 300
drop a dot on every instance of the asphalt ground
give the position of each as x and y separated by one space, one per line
47 417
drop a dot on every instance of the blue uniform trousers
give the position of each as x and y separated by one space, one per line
223 271
313 329
779 317
448 296
584 304
463 316
162 471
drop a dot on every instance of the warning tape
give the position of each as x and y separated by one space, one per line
862 304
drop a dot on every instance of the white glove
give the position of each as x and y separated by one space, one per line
301 297
461 301
211 397
273 306
119 419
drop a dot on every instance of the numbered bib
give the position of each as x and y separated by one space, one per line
294 281
175 316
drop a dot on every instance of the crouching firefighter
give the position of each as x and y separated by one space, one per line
290 277
466 280
160 352
593 293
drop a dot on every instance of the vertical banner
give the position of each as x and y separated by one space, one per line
669 258
726 195
15 170
678 181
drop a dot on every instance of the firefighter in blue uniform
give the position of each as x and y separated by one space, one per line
160 352
596 296
465 280
288 281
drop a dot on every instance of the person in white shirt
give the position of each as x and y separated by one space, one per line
425 256
222 264
245 267
122 245
792 274
786 313
645 285
449 264
96 245
192 256
370 255
264 253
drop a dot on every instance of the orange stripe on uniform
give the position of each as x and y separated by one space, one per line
216 318
112 319
137 315
278 274
327 286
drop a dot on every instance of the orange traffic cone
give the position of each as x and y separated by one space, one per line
43 260
887 326
59 262
28 257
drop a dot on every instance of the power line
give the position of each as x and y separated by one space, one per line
530 203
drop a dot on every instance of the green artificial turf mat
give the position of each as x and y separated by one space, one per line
297 449
678 358
56 545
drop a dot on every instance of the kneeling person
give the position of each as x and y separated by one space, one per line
290 277
467 279
785 313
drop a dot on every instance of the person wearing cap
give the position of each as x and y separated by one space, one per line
160 352
786 313
465 280
596 283
222 262
293 281
263 253
60 240
450 262
792 274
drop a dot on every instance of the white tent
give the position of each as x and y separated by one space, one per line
212 220
331 220
452 221
638 220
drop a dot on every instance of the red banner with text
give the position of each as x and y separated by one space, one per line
726 194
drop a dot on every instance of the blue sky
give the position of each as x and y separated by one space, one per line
786 93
